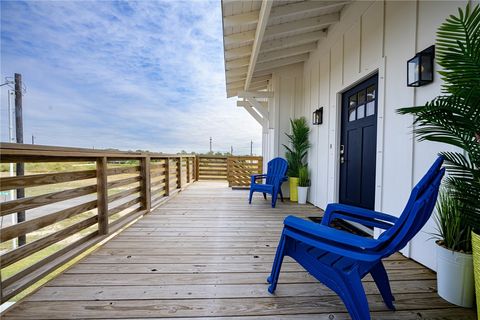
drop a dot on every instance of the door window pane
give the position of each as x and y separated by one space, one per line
371 93
361 97
370 108
361 111
351 114
352 101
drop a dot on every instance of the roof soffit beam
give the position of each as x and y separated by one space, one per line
302 7
282 62
309 24
292 41
237 63
254 79
261 26
250 18
239 52
241 19
242 103
237 71
319 22
241 83
277 44
287 52
240 37
255 94
253 86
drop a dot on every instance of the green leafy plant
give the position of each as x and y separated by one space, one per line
454 117
299 145
454 232
303 177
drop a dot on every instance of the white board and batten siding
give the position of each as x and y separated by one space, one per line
371 37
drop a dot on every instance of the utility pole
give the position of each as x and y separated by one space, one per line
210 144
19 136
251 147
231 150
33 139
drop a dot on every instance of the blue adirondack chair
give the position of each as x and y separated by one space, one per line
276 171
340 260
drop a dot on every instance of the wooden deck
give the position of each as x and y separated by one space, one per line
206 254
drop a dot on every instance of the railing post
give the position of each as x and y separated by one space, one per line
197 168
179 178
167 177
229 170
145 181
102 196
188 169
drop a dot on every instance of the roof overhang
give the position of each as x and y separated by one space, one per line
260 36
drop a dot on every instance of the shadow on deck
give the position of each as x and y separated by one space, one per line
206 254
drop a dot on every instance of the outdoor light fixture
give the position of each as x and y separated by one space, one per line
317 117
420 68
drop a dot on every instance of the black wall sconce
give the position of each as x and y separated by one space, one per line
317 117
420 68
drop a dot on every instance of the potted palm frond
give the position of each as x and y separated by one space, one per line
454 252
296 152
303 184
454 117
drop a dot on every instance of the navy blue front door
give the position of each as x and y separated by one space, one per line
358 144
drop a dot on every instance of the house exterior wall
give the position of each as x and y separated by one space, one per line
371 37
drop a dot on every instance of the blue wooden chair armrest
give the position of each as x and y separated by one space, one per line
330 239
363 216
254 177
329 234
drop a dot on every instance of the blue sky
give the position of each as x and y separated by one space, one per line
127 75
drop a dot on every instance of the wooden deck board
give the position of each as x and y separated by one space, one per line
206 255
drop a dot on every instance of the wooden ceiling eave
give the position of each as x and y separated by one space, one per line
273 35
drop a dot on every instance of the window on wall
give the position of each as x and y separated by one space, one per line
362 104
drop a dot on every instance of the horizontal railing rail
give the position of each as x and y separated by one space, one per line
84 197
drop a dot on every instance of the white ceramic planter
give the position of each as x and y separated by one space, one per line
455 277
302 195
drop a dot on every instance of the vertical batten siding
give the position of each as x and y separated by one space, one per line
372 36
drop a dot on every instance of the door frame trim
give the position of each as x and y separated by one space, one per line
379 68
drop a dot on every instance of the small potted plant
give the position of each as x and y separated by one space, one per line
454 252
303 184
296 152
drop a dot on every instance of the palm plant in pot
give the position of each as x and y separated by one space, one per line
454 118
454 251
296 152
303 184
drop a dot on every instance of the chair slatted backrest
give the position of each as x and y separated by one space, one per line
417 211
276 170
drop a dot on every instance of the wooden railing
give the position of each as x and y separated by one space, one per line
241 168
211 168
234 169
71 210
